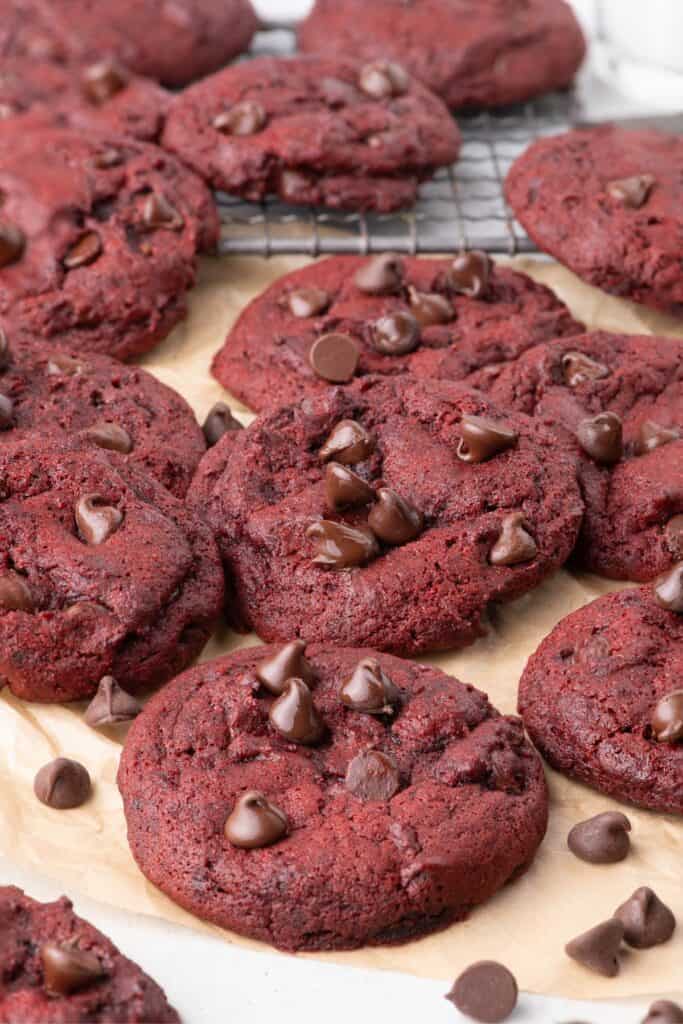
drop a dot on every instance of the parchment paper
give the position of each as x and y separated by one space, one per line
526 925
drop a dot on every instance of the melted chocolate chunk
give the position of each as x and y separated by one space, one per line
345 489
601 438
338 546
348 443
373 776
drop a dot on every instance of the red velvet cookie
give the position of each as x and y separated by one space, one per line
597 698
472 53
608 203
389 514
431 318
324 131
380 826
58 969
102 572
631 468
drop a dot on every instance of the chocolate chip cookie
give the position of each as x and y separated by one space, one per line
102 573
374 802
472 53
56 968
602 698
326 131
619 399
384 315
97 244
607 203
388 514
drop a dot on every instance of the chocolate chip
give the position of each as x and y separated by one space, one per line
294 716
307 302
218 422
6 412
345 489
668 589
393 519
631 192
598 948
664 1012
603 839
334 357
85 251
104 80
338 546
470 274
482 438
109 157
667 718
348 443
430 308
654 435
59 364
515 544
15 595
159 214
647 921
287 662
96 520
673 535
369 690
255 822
395 334
383 79
110 436
244 118
62 784
67 970
12 244
381 275
602 438
111 705
372 776
578 368
486 992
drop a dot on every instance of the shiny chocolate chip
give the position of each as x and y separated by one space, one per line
603 839
67 970
111 436
338 546
345 489
393 519
578 368
667 718
60 364
12 244
664 1012
158 214
15 595
632 192
598 948
668 589
486 991
244 118
334 357
515 545
373 776
482 438
307 302
381 275
6 412
103 80
369 689
85 251
255 822
111 705
647 921
62 784
294 716
288 662
654 435
673 535
383 79
96 520
395 334
218 422
430 308
348 443
602 438
470 274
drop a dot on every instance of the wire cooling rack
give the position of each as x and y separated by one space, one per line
462 207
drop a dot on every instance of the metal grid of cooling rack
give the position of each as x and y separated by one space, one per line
462 207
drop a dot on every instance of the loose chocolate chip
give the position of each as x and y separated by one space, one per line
482 438
578 368
67 970
373 776
647 921
14 593
369 690
109 157
664 1012
515 544
62 784
669 589
218 422
430 308
673 535
307 302
486 992
287 663
12 243
85 251
598 948
96 520
348 443
654 435
111 436
6 412
60 364
471 273
345 489
631 192
602 438
383 79
244 118
603 839
294 716
667 718
395 334
111 705
334 357
255 822
159 214
393 519
338 546
104 80
381 275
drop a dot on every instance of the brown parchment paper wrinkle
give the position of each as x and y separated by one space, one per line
527 924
